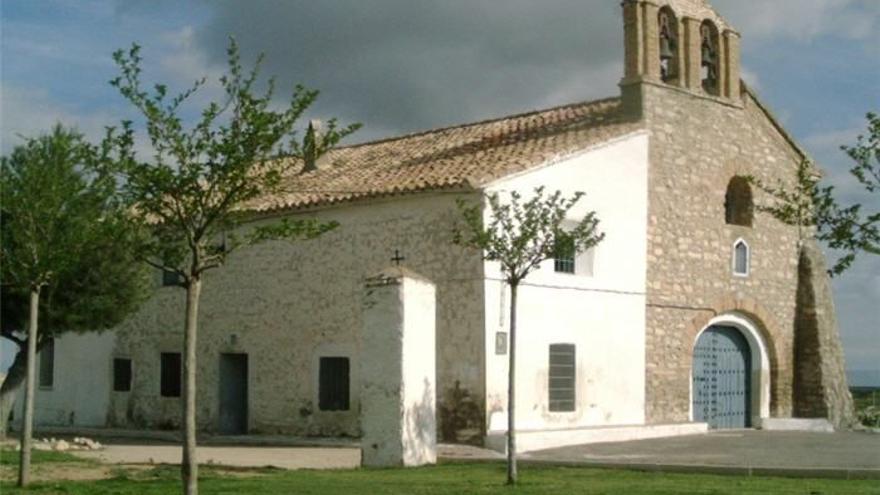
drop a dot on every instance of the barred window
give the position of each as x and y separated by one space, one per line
564 260
562 378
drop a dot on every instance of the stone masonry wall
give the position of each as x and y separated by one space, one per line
286 304
820 385
697 145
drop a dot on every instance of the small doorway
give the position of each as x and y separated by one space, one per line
233 394
722 385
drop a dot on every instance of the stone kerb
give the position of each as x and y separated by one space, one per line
398 399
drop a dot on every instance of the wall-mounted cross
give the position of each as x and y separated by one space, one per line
397 257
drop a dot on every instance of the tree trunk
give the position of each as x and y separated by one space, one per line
27 428
15 377
511 392
189 466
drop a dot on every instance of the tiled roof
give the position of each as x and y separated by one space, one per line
466 156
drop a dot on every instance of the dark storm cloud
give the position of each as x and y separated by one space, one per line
400 65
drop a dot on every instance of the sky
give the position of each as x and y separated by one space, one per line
404 65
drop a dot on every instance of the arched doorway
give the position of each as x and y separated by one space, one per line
722 378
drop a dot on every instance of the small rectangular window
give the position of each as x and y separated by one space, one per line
562 378
565 256
170 278
333 378
170 374
47 364
121 375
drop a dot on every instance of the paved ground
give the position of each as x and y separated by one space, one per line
741 450
849 454
280 457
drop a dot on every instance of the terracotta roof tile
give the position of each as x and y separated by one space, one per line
466 156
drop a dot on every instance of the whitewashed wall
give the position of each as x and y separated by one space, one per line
80 393
287 304
602 314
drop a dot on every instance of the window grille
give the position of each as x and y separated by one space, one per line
565 256
562 378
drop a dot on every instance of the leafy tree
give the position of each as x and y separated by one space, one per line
813 208
192 198
520 236
866 154
64 256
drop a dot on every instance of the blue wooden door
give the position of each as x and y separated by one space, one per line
722 379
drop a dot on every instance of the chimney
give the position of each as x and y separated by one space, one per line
312 146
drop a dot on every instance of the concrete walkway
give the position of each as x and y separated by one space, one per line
252 457
837 455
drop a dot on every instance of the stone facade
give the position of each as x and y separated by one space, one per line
699 143
259 305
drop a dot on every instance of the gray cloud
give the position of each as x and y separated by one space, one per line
401 65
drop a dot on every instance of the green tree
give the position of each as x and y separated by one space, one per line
65 261
816 212
520 235
866 155
192 198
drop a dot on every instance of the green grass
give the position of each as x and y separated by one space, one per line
452 479
9 457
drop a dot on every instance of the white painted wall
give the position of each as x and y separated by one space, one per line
82 384
398 403
602 314
419 372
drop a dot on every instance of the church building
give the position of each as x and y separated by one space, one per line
696 312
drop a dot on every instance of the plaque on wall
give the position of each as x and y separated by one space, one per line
500 343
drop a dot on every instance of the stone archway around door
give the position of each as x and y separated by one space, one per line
730 374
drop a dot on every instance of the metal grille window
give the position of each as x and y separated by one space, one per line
121 375
47 364
333 384
170 379
562 379
565 254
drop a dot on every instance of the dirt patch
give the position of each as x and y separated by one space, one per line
73 471
91 471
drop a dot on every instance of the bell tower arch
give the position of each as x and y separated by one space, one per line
682 44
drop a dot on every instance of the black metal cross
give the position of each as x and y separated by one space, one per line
397 257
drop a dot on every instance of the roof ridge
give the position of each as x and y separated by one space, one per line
477 123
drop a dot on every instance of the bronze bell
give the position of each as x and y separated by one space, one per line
666 51
708 55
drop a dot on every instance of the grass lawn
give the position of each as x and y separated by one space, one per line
442 479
